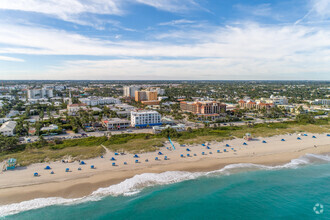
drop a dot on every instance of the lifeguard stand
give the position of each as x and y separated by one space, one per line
11 164
248 136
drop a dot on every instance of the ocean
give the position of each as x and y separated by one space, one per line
296 190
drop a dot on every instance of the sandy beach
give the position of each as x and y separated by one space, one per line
21 185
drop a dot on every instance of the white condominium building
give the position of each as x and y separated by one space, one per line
92 101
39 93
129 91
145 118
7 129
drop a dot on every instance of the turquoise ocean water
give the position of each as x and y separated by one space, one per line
241 191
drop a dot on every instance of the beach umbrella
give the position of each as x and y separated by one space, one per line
113 164
328 135
146 160
313 136
165 158
125 163
160 153
136 161
208 147
36 174
218 151
232 148
113 159
52 172
298 138
47 168
282 139
195 155
136 156
187 149
305 134
224 150
156 158
92 167
244 143
210 152
79 168
203 145
67 170
264 142
188 155
203 153
82 163
181 155
101 156
227 145
116 154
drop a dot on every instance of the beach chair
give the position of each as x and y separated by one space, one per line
67 170
36 174
136 156
113 164
146 160
210 152
136 161
165 158
218 151
92 167
125 163
79 168
112 159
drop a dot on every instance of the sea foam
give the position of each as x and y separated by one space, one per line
135 184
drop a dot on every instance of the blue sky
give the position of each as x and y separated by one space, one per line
165 39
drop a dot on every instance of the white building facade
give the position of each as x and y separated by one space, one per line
145 118
39 93
129 91
8 128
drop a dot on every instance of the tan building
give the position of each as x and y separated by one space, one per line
253 105
145 96
203 107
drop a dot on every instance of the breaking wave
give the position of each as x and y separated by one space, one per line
137 183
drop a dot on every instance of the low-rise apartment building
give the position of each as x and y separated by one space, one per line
115 123
145 118
8 128
203 107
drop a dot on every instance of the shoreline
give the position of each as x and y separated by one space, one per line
80 184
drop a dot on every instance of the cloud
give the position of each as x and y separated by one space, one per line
64 9
177 6
319 12
258 10
176 22
5 58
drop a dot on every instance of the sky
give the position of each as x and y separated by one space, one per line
164 39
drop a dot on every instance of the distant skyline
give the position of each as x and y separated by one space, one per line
164 40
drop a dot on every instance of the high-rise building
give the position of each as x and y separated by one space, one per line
145 96
129 91
39 93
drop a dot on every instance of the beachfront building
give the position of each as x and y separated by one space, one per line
275 100
115 123
8 128
129 91
145 118
39 93
250 104
93 100
203 107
